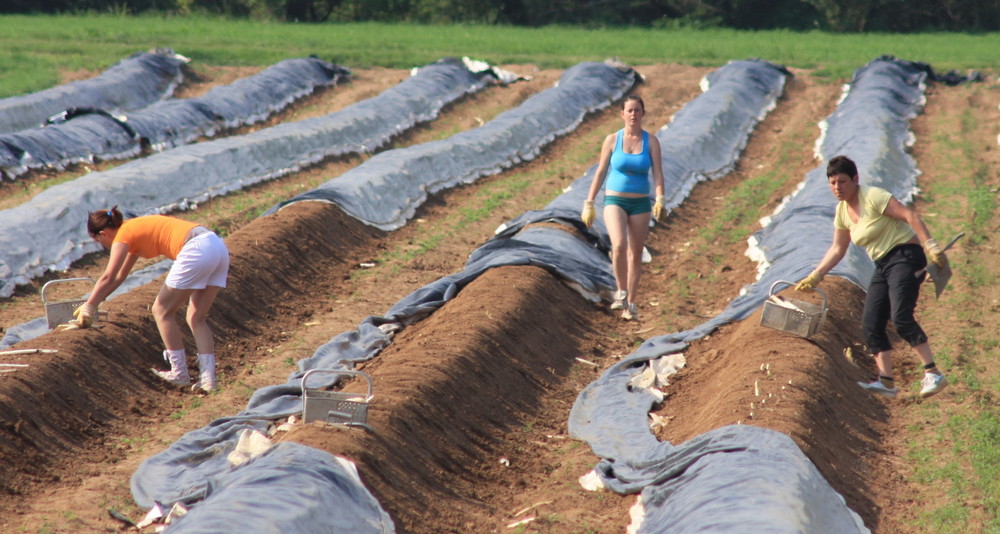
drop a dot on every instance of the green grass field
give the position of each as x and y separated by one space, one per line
34 49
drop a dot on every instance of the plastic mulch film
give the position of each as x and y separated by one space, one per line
742 478
289 489
88 134
246 101
133 83
77 135
49 231
194 462
386 190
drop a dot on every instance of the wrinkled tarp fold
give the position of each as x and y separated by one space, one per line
613 420
133 83
87 134
49 231
319 493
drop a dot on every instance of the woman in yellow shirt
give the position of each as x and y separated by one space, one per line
892 234
201 265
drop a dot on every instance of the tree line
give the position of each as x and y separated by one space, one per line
847 16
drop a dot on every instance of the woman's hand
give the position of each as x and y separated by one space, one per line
83 317
587 215
935 254
810 282
658 208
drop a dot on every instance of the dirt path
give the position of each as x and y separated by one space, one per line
66 482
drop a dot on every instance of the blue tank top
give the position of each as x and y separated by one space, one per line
629 173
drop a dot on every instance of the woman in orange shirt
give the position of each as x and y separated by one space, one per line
201 265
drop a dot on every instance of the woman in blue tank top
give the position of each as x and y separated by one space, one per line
627 157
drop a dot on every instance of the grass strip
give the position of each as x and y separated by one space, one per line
36 50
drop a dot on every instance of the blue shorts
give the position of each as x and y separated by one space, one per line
631 205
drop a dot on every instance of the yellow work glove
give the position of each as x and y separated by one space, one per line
810 282
935 254
658 209
83 317
587 215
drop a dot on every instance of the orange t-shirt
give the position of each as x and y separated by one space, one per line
150 236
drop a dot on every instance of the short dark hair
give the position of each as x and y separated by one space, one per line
841 165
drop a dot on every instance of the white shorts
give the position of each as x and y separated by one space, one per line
202 262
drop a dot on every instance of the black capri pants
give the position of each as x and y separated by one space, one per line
893 293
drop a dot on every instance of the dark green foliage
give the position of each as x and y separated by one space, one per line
845 16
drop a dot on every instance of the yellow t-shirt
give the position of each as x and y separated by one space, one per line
154 235
875 232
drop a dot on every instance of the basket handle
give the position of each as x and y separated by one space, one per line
351 372
770 292
60 281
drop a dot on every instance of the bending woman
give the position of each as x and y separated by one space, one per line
627 157
892 235
201 265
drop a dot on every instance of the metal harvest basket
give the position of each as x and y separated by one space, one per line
793 316
59 312
335 407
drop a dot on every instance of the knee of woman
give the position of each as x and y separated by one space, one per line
910 331
904 322
159 311
194 318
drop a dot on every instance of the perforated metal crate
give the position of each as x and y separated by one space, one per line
59 312
793 316
335 407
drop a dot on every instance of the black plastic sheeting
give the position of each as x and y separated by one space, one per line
290 489
89 134
247 101
49 232
686 491
133 83
189 465
78 135
385 191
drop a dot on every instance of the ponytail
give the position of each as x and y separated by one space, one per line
103 219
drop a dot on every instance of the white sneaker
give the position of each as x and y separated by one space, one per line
619 299
878 388
630 312
174 377
932 383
